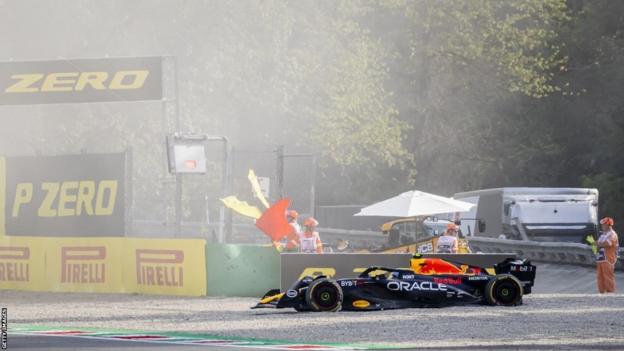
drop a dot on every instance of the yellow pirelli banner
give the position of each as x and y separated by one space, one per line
85 264
22 263
2 195
165 266
105 265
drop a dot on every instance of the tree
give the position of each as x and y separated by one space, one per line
464 76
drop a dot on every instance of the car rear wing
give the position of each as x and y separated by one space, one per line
519 268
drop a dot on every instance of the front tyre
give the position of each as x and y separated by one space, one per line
324 295
504 290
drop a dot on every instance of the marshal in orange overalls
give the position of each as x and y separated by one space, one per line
606 257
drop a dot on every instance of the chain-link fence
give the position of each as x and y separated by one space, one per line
280 175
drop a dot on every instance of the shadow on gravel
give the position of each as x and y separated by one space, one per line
278 313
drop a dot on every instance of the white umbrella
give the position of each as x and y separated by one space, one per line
415 203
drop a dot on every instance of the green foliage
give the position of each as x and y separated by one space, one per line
358 126
611 188
511 39
448 66
349 117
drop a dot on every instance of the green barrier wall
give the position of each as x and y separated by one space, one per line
241 270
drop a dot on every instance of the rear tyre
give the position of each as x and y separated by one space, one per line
324 295
504 290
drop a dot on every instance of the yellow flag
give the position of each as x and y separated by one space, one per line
256 188
241 207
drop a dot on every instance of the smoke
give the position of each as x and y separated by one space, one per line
388 95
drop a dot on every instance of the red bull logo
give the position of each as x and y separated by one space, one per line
160 267
83 264
447 281
14 263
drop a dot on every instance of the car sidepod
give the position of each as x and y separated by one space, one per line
408 291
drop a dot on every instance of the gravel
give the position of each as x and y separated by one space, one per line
544 319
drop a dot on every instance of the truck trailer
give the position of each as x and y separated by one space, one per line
539 214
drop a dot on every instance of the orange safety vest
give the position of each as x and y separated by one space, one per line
610 251
292 238
310 242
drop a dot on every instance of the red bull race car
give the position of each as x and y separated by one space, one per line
429 282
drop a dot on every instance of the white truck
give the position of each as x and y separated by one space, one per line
540 214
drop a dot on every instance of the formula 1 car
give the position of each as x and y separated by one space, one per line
430 282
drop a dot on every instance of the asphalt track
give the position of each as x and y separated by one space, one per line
61 343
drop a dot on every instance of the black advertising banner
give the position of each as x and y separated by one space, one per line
86 80
295 266
76 195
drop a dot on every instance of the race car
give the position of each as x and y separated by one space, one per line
429 282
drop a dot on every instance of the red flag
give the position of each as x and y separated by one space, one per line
273 221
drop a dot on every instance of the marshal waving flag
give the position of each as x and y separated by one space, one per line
273 221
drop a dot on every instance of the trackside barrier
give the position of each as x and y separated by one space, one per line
22 264
84 265
241 270
2 196
165 266
109 265
358 239
555 252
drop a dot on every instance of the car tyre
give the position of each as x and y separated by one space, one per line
504 290
324 295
